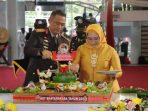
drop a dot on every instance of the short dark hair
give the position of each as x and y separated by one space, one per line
57 12
90 14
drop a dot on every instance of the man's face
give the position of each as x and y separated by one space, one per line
57 23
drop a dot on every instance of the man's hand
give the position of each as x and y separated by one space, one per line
46 54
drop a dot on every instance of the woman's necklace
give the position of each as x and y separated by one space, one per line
94 58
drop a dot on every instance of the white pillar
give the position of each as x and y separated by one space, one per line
135 42
15 20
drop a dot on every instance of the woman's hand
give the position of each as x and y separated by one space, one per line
74 68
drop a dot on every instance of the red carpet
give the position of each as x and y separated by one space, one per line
136 76
9 79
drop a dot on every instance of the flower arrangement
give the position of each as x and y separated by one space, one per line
7 107
64 75
141 93
134 104
4 90
63 68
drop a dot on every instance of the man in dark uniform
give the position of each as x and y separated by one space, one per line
28 34
81 24
41 44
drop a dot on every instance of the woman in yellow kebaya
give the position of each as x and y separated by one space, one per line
96 55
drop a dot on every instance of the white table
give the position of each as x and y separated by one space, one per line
53 107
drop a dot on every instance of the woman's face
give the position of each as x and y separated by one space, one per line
92 38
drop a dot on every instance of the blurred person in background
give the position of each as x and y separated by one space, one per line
92 19
80 38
